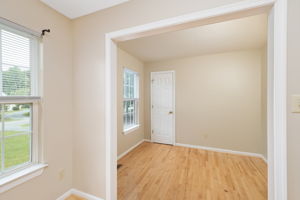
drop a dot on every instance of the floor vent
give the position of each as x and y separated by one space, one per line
119 166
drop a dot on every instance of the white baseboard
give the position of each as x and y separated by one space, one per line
131 148
65 195
264 158
200 147
79 194
223 150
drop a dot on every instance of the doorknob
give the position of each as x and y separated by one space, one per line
171 112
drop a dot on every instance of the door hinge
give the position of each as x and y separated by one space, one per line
152 131
152 106
152 80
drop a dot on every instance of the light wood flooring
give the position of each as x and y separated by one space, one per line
73 197
163 172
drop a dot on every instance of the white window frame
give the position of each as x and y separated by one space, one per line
34 158
35 167
136 100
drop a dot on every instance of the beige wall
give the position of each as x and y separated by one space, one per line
57 98
89 34
293 84
125 142
264 99
89 31
218 100
89 62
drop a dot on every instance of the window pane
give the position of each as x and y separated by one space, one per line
16 66
15 49
17 119
130 117
126 92
130 82
0 156
125 114
136 121
16 81
17 134
131 113
1 141
16 150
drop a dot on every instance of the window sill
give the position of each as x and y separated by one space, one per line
11 181
131 129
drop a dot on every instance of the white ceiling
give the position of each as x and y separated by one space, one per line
239 34
77 8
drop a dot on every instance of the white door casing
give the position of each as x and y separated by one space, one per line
277 157
163 107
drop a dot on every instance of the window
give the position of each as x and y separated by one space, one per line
131 100
19 57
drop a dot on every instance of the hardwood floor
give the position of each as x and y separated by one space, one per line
163 172
73 197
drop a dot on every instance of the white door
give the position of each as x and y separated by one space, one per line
163 107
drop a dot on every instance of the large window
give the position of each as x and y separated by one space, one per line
131 100
18 99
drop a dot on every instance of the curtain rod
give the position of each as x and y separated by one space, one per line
23 28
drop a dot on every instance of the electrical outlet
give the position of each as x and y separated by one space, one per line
61 174
296 103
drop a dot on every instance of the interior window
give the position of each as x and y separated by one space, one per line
131 99
18 97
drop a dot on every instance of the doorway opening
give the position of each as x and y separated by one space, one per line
276 70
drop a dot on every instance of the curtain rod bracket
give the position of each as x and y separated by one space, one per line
44 31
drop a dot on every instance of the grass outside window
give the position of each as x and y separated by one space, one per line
16 132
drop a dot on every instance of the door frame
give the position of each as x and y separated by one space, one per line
174 103
277 86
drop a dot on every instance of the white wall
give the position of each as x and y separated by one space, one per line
218 100
293 85
125 142
57 98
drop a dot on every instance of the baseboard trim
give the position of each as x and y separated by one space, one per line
79 194
223 150
65 195
130 149
200 147
264 158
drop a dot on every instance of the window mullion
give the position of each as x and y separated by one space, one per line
132 111
34 67
32 136
137 116
126 113
1 86
36 157
129 115
2 137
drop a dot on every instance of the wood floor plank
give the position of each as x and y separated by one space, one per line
163 172
73 197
